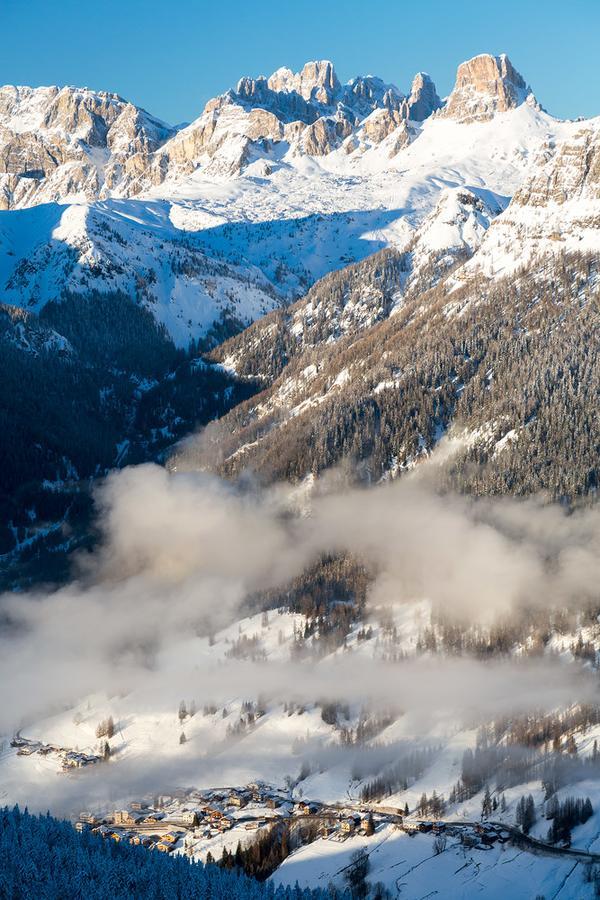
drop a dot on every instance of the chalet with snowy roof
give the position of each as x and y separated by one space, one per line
348 825
171 837
153 817
89 818
164 846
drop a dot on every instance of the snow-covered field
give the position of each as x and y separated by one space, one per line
410 868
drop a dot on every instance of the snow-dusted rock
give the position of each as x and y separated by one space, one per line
486 85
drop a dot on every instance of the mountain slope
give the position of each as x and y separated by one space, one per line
505 367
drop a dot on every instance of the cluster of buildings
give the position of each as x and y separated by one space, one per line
69 759
167 823
189 819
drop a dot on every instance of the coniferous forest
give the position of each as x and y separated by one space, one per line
44 858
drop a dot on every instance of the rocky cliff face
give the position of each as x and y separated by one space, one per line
423 99
555 212
317 81
60 143
63 144
485 85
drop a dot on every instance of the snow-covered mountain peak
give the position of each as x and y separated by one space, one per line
69 143
423 98
486 85
316 81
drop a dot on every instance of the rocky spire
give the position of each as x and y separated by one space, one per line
316 81
423 98
484 86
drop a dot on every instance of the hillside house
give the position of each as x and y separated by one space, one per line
163 846
153 817
348 825
189 817
125 817
171 837
89 818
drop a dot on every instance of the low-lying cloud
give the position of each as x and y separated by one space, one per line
181 553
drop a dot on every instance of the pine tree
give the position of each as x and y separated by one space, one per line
486 805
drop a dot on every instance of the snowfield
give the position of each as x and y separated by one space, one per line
146 754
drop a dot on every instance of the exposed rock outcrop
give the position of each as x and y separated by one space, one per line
50 138
423 99
485 85
317 81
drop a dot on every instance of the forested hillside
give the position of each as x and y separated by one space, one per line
510 369
41 856
89 384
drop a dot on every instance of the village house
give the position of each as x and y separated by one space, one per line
89 818
171 837
188 817
163 846
125 817
348 825
154 817
365 823
273 803
74 760
237 800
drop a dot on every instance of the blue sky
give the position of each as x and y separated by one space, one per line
170 57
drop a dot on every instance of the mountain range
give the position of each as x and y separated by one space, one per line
341 219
